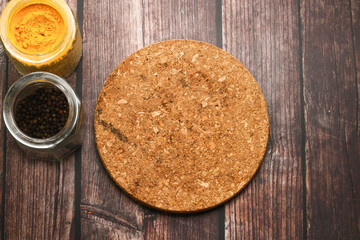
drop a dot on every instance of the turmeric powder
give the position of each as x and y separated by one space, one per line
37 28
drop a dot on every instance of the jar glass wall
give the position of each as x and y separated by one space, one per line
62 58
56 147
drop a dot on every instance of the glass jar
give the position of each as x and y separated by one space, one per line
61 59
64 142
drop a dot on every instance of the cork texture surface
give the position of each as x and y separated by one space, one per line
181 126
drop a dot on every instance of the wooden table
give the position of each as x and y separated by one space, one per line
306 57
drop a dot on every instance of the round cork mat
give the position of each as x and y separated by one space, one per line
181 125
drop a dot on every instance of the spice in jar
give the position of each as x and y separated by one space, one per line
41 36
37 28
42 114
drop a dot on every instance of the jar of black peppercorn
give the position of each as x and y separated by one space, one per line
44 115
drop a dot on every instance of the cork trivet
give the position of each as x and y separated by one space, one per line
181 125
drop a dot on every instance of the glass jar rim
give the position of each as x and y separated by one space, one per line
30 80
5 18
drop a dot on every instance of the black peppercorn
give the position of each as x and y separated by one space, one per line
43 113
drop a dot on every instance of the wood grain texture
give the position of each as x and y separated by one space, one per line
112 30
355 21
165 20
331 120
3 88
264 36
172 226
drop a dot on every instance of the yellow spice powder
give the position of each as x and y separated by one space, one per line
37 28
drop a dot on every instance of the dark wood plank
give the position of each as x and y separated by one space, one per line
159 225
39 195
355 168
165 20
66 212
264 36
331 119
3 88
112 30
